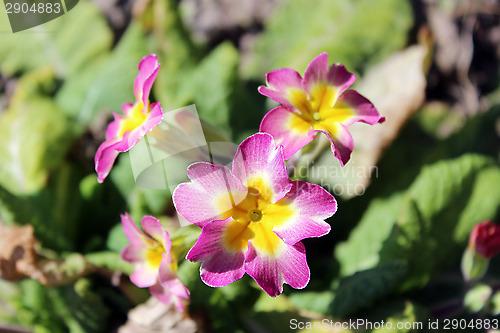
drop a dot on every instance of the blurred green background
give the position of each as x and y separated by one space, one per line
415 187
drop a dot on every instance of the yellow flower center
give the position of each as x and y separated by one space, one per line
134 119
154 254
321 108
254 219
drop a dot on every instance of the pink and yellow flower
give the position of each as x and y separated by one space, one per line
319 102
253 217
138 119
156 262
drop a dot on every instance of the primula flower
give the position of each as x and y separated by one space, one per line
485 239
253 217
316 103
156 264
138 119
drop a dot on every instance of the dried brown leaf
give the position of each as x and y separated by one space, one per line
17 252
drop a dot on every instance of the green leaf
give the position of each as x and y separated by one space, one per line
353 32
473 266
410 316
318 302
106 84
212 84
478 297
427 225
363 288
495 304
110 260
34 136
67 44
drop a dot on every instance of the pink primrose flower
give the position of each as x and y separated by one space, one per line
253 217
319 102
138 119
156 265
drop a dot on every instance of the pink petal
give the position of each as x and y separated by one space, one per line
144 275
133 253
258 156
339 77
113 130
148 70
220 266
132 232
130 138
364 110
162 293
169 279
312 205
315 72
341 142
212 191
278 122
279 82
126 108
105 158
271 272
152 226
167 296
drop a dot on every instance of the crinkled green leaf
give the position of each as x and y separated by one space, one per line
363 288
212 84
428 224
318 302
67 44
353 32
34 136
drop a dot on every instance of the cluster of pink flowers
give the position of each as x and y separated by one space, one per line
253 217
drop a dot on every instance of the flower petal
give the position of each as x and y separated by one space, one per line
280 83
341 141
105 158
132 232
312 205
270 272
144 275
170 280
113 130
258 159
339 77
288 130
213 190
162 293
152 226
220 265
315 72
148 70
133 252
362 109
154 117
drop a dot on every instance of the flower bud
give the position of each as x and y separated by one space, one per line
485 239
